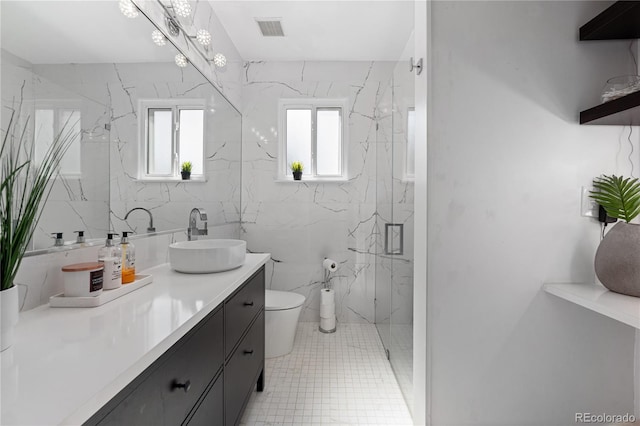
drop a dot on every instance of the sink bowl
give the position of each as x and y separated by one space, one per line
206 256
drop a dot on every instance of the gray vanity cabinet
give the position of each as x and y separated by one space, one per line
207 377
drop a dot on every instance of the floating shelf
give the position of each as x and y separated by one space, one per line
620 21
597 298
623 111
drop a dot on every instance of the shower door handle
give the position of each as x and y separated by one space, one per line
394 238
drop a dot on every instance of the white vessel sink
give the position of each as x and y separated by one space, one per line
205 256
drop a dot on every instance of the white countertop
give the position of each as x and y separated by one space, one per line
66 363
596 297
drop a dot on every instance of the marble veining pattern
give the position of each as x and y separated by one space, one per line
301 223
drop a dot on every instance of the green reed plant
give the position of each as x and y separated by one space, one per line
24 189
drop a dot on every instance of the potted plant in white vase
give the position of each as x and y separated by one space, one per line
24 188
617 261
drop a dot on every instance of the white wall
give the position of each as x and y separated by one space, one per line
506 163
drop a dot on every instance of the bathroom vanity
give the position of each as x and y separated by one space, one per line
187 349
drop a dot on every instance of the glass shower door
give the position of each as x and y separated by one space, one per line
384 216
394 222
403 142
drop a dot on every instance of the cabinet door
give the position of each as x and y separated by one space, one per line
242 371
210 410
170 392
241 308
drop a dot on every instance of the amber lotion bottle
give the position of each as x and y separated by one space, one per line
128 259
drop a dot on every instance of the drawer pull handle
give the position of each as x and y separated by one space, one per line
246 352
248 303
177 385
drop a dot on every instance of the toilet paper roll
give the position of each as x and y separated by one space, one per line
327 296
330 265
328 324
328 311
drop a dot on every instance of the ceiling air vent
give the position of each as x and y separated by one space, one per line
270 27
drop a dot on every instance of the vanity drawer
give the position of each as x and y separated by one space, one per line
211 409
168 394
241 308
242 371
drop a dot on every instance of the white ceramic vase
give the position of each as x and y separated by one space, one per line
8 316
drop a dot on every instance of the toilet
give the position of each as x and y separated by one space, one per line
282 311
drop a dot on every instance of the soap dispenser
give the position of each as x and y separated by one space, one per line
59 240
111 257
128 259
80 238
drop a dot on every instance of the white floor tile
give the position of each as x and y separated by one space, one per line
342 378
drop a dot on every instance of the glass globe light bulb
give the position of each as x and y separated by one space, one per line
128 9
203 37
181 61
181 7
158 38
219 60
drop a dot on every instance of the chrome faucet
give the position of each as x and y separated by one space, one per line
192 230
150 228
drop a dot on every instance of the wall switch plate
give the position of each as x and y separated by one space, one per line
588 207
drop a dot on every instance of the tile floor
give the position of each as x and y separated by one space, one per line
341 378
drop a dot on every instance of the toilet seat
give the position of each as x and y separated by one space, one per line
282 300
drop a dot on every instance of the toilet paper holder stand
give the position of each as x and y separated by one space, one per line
326 285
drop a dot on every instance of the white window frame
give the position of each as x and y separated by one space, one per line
284 174
176 105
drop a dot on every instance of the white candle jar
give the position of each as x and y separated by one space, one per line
83 279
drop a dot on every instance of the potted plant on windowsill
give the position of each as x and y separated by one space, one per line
296 168
24 189
186 170
617 262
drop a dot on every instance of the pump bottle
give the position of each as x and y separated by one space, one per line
128 259
111 256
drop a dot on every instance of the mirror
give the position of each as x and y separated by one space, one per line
86 61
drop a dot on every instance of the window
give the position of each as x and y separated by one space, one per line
313 131
171 132
51 119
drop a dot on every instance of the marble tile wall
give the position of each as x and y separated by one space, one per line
300 223
171 202
75 203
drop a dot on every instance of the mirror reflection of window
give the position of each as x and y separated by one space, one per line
159 145
174 134
49 123
410 170
191 138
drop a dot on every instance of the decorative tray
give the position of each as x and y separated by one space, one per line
60 301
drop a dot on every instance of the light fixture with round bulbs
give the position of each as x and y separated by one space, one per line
181 60
203 37
128 9
181 7
219 60
158 38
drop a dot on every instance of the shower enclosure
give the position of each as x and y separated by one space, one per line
394 221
